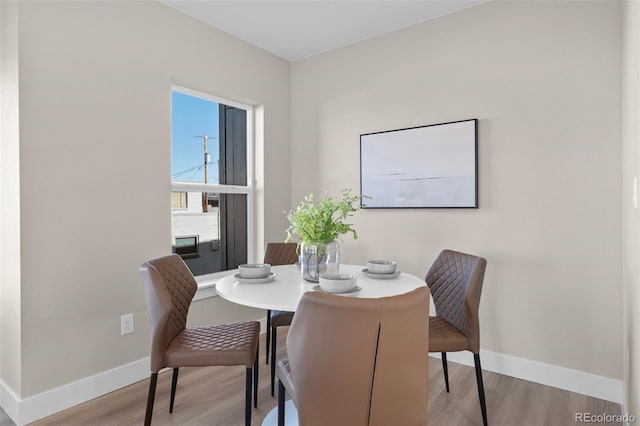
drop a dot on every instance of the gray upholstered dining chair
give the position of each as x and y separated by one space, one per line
455 281
277 254
169 289
355 361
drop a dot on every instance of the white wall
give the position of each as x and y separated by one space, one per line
95 86
630 229
10 297
544 80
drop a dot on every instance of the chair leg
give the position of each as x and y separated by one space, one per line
174 385
281 394
274 336
268 339
247 402
152 394
483 404
445 369
255 378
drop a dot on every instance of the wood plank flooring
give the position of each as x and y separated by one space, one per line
215 396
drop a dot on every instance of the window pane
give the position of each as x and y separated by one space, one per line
194 139
178 200
208 147
233 213
187 246
196 233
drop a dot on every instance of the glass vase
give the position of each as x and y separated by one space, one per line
319 258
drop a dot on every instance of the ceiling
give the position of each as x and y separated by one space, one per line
297 29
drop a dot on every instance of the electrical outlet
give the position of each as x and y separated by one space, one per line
126 324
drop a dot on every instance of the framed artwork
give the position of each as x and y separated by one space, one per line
434 166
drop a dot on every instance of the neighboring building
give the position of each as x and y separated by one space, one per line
195 234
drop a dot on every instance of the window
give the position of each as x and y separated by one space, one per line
179 200
187 247
211 197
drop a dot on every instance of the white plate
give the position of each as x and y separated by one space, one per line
267 279
366 272
347 293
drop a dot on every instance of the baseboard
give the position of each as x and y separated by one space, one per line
9 401
545 374
627 418
27 410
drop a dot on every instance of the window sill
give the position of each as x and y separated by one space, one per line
207 284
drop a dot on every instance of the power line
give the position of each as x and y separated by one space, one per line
184 171
194 173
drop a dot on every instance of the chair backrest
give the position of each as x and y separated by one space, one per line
455 280
169 288
360 361
281 253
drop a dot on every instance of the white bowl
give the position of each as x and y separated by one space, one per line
381 266
254 270
337 283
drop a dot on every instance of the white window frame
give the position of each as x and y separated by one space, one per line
207 281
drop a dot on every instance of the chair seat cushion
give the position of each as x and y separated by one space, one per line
443 337
281 318
226 344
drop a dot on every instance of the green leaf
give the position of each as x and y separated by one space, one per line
323 221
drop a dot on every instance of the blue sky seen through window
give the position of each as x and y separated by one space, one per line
192 118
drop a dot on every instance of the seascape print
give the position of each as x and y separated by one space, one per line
432 166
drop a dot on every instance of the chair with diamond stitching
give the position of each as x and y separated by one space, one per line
277 254
169 289
455 281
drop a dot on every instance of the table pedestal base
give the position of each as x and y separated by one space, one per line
290 415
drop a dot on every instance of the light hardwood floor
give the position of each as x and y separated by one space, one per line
215 396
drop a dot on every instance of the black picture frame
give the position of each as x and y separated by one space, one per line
430 166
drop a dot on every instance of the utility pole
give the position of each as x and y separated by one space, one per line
207 160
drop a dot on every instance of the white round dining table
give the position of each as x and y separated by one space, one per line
286 289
